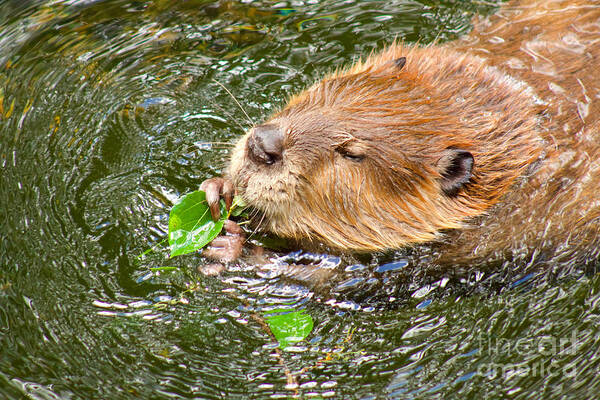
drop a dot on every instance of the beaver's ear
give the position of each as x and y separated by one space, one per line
456 168
399 62
395 65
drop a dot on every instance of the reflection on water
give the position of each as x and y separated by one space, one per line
109 112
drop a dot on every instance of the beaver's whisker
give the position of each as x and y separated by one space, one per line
256 229
221 147
237 102
217 143
228 115
253 214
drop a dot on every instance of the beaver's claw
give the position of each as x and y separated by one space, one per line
214 189
228 247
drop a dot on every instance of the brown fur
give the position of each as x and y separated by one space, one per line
520 94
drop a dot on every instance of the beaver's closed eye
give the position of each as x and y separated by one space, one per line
352 150
349 156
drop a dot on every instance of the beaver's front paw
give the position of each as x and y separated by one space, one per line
227 247
214 189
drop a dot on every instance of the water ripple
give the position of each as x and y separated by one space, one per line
109 112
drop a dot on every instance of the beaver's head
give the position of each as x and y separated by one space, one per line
387 154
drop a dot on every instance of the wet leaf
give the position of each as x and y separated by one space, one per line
289 326
190 224
238 207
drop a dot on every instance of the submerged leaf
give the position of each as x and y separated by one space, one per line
289 326
190 224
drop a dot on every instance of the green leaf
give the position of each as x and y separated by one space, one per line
190 224
238 206
290 326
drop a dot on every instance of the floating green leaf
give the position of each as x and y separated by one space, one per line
289 326
190 224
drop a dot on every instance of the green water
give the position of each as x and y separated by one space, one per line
107 112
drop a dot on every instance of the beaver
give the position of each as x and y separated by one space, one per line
479 150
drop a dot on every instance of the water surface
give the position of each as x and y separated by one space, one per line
111 110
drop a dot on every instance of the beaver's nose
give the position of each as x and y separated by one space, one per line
265 145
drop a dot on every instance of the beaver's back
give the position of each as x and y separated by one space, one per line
553 46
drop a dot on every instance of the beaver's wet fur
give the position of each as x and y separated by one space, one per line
484 149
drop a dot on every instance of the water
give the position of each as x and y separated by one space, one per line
107 110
